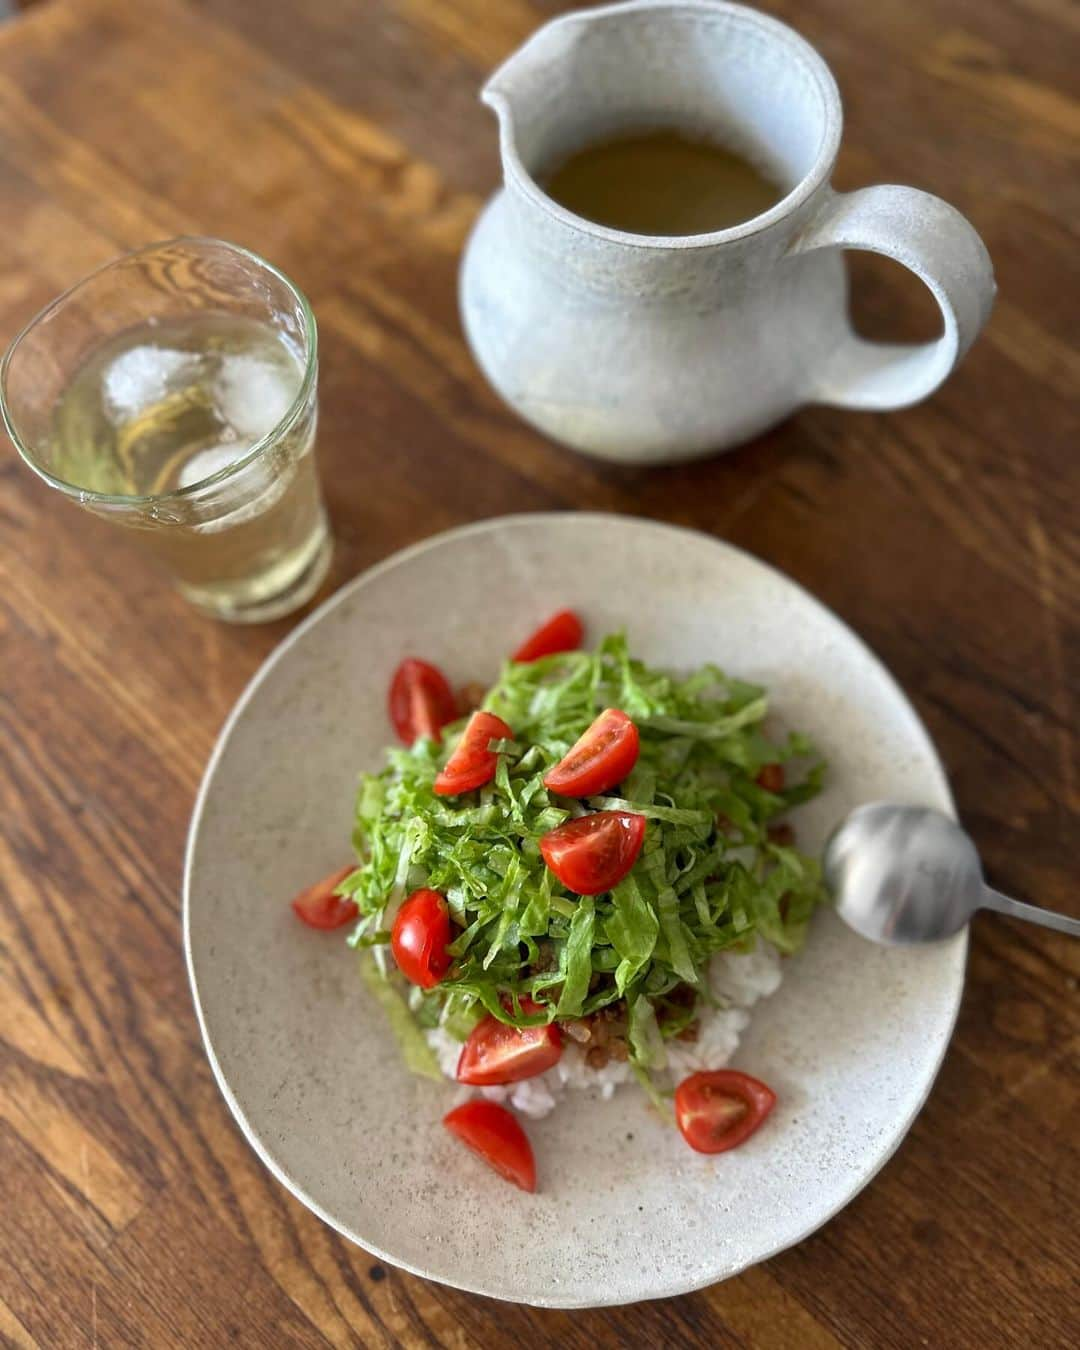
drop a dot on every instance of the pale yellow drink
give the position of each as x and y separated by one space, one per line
174 392
168 405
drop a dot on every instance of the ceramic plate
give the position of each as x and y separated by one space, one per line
625 1211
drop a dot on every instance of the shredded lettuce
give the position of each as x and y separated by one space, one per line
415 1051
709 877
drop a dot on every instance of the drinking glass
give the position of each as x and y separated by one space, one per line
173 391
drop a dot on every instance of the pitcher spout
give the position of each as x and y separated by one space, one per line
520 91
540 58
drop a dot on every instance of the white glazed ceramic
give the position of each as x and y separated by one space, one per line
647 349
625 1211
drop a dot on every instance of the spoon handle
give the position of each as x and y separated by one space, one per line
1004 905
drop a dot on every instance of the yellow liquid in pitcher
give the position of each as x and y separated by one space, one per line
661 183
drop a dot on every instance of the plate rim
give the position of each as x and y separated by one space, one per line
960 941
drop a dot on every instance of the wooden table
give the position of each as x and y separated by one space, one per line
342 138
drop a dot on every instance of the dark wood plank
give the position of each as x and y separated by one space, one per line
345 141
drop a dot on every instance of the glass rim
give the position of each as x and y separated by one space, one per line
253 452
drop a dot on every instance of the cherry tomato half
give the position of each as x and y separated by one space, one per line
593 853
562 633
600 759
717 1111
319 907
421 702
419 938
496 1053
771 778
472 764
495 1135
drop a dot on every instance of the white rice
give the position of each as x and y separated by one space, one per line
737 979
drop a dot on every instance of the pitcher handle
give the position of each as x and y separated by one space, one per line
931 239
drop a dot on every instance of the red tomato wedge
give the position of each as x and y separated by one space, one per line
563 632
599 759
593 853
495 1135
496 1053
472 764
319 907
771 778
421 702
419 938
717 1111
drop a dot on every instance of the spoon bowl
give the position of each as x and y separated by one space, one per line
907 874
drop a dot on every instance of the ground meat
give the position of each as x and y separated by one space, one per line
682 996
610 1021
545 958
469 697
615 1047
690 1031
604 1033
782 834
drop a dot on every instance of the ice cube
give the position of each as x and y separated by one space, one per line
253 394
142 376
263 483
203 463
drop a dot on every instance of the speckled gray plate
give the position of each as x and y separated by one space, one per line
625 1211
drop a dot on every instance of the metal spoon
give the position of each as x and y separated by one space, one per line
907 874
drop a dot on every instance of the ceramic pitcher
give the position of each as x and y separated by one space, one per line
646 349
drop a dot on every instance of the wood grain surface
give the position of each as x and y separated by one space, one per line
343 139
